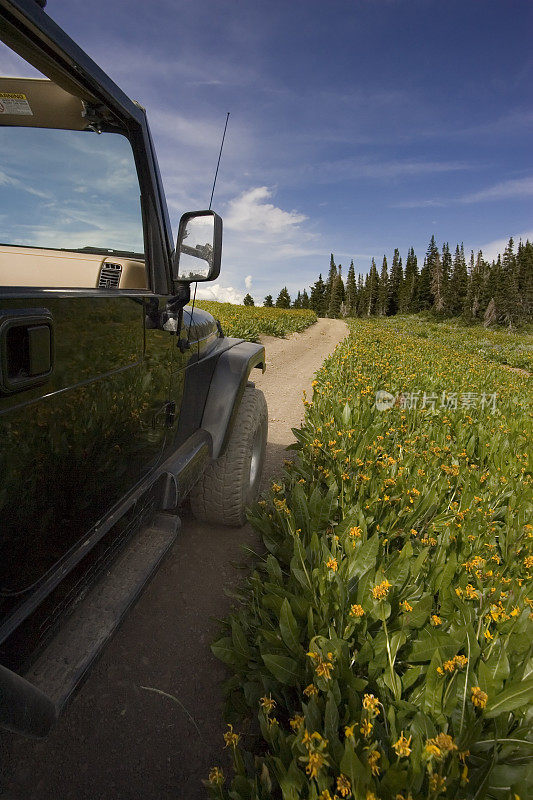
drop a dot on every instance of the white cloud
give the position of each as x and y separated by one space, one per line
497 246
223 294
519 187
250 213
7 180
248 282
419 203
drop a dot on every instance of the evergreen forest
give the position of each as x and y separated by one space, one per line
447 285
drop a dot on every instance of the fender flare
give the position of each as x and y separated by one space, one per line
225 392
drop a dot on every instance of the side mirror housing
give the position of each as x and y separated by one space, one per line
198 248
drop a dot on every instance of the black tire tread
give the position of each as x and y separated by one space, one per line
220 494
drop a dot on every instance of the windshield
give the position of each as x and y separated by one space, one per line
68 189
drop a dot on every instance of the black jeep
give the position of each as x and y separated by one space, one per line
117 398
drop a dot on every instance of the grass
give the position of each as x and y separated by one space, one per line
251 322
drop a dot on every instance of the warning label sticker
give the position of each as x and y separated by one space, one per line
14 103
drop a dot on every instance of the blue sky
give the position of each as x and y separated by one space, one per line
355 127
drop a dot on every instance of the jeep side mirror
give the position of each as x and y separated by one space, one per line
199 247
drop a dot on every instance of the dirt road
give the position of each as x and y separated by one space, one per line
118 741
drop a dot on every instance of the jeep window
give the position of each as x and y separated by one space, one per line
71 191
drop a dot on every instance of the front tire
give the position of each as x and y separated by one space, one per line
232 482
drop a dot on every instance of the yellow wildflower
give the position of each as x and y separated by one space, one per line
332 564
445 742
355 532
371 704
471 592
315 762
296 722
323 669
381 590
373 758
344 787
437 783
432 750
402 747
356 610
488 635
436 620
231 738
311 690
366 728
325 795
268 704
479 698
406 606
216 777
348 730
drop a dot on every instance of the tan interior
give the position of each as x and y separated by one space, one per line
56 269
46 105
50 106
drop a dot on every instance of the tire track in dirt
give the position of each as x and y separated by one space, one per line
118 741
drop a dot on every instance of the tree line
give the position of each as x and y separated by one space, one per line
499 292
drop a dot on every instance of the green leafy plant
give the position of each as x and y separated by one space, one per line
382 648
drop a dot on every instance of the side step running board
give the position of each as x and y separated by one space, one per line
64 662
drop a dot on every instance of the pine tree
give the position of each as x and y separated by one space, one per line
284 299
477 288
305 299
524 260
424 297
395 284
458 283
297 301
490 317
509 306
486 292
497 287
409 287
360 296
332 274
437 284
351 292
336 297
446 274
432 260
268 302
317 301
383 290
371 290
248 300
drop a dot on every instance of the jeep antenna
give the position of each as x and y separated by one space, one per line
218 162
186 344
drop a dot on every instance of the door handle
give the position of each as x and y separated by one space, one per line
26 348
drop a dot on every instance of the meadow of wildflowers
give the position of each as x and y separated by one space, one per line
510 347
382 649
250 322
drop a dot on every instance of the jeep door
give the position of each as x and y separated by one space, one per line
84 382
